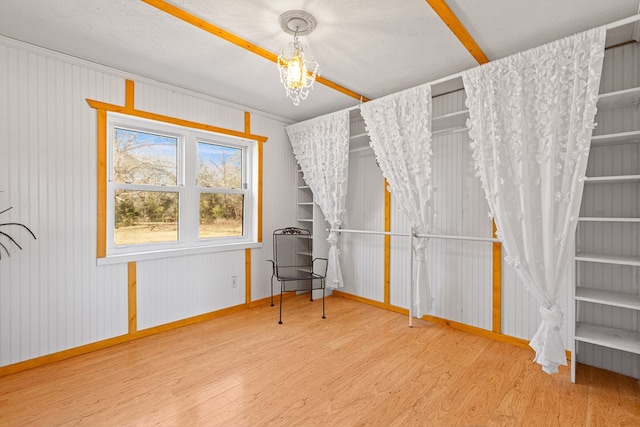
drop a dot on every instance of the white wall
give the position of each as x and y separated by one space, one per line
53 296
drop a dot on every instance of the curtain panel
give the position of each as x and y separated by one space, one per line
321 147
531 118
399 126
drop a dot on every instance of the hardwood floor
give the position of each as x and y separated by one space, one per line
361 366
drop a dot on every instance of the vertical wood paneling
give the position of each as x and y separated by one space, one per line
278 193
163 100
459 271
363 255
53 296
182 287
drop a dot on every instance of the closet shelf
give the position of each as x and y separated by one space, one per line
608 337
303 187
615 138
305 204
612 179
618 99
608 259
358 136
606 219
449 121
305 219
615 299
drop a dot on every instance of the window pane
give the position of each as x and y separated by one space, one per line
219 166
144 158
145 217
221 215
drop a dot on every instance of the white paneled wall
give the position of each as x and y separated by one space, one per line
53 295
179 288
362 255
278 197
460 272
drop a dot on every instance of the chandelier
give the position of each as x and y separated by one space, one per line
297 73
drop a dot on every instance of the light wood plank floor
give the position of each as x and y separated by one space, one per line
362 366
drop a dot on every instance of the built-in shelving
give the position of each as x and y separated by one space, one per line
608 259
619 179
614 299
358 136
615 138
608 337
619 99
447 122
606 219
599 309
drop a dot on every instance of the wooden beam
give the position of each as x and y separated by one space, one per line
238 41
98 105
387 244
130 91
101 241
497 284
133 297
456 27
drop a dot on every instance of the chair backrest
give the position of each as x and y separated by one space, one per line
292 251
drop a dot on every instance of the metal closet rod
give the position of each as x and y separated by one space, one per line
429 236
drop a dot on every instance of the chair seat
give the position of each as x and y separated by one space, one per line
303 276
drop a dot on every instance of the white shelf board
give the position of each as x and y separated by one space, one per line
305 219
615 138
305 203
608 259
449 121
621 98
608 337
606 219
612 179
615 299
303 187
358 136
359 141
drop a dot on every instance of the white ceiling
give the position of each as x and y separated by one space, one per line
373 47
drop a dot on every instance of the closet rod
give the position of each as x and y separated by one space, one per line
384 233
429 236
474 238
610 26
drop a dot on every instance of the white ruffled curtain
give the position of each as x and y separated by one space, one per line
321 147
531 118
400 129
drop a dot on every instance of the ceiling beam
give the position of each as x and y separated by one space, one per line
456 27
238 41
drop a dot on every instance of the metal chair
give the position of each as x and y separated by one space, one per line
294 266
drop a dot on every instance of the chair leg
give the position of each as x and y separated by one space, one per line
271 291
311 289
323 316
281 286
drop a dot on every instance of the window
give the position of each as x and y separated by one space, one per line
173 187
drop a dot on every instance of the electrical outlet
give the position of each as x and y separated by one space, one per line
234 281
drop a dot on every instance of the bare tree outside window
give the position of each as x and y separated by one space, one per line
142 160
219 174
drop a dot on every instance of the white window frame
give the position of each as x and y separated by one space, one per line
187 188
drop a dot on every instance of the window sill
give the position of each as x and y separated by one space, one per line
172 253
